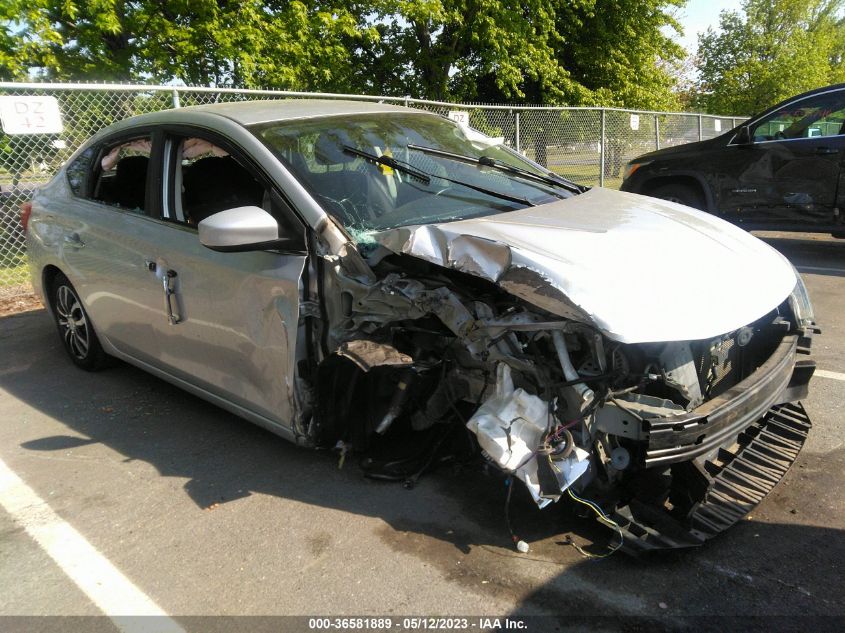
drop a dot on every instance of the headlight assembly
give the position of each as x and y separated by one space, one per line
799 301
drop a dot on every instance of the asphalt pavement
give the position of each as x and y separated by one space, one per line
203 514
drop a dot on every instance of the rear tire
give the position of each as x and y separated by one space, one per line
682 194
75 328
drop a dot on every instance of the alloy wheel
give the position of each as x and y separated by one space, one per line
72 322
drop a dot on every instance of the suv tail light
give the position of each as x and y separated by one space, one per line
26 211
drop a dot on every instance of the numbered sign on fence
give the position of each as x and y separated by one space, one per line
635 122
30 115
460 116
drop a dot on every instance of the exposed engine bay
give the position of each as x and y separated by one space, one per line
415 350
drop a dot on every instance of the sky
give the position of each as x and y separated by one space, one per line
698 15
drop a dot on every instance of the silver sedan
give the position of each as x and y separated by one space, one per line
405 289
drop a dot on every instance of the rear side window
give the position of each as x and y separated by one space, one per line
121 176
78 170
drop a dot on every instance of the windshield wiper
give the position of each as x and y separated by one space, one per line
389 161
400 165
487 161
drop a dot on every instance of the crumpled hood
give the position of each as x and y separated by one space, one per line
638 268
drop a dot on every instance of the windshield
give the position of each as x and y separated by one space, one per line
378 171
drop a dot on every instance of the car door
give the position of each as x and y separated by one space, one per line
230 325
105 234
788 175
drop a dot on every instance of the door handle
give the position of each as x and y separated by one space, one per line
73 240
826 150
168 282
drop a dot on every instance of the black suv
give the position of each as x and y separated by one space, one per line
780 170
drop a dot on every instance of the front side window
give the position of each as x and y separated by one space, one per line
208 179
378 171
814 117
121 177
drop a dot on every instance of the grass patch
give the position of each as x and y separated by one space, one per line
587 175
14 270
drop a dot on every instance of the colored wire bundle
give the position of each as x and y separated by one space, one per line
602 518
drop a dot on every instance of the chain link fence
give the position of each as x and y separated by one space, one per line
587 145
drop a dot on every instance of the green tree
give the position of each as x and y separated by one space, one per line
13 44
621 50
276 43
772 50
610 52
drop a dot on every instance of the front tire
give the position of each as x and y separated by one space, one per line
74 326
682 194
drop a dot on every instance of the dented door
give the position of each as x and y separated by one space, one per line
235 322
789 173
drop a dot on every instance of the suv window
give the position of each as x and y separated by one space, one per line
822 115
121 179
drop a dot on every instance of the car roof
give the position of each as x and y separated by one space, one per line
815 91
266 110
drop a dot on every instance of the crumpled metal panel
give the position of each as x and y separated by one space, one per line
368 354
638 268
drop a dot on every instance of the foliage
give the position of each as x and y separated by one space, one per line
619 52
278 43
775 49
13 45
610 52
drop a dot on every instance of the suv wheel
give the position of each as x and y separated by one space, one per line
682 194
75 328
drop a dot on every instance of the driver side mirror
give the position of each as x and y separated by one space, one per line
244 229
743 136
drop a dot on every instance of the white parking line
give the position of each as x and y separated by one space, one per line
112 592
835 375
820 269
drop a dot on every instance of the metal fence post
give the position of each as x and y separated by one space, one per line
700 129
516 130
656 132
601 150
176 103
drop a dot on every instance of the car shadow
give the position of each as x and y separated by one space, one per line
811 253
756 577
224 458
456 512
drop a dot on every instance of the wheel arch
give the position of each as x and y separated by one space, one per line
48 277
694 181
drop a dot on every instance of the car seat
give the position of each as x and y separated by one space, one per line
130 182
217 183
